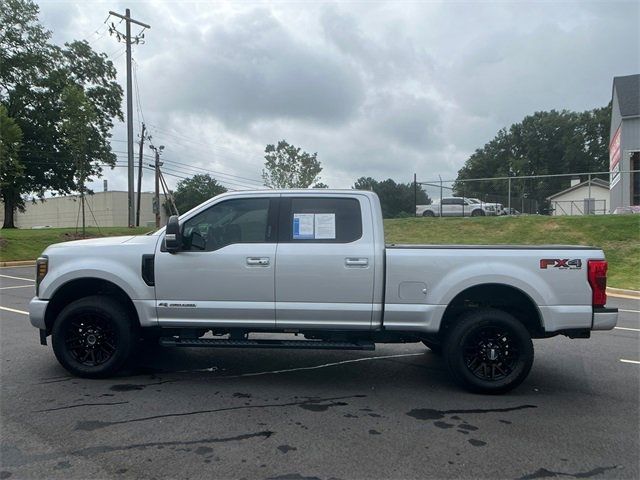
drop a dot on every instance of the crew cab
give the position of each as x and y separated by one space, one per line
455 207
313 264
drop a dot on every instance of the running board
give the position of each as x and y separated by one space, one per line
294 344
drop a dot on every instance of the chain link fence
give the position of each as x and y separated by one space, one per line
564 194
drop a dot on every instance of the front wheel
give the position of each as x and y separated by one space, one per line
478 213
489 351
428 213
93 337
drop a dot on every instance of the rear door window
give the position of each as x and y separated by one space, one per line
320 220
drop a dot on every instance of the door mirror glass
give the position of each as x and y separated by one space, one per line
172 237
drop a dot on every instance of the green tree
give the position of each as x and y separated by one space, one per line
10 143
287 166
35 79
555 142
191 192
396 199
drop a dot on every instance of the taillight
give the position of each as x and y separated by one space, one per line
598 281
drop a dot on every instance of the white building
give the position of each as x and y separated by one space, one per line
581 198
102 209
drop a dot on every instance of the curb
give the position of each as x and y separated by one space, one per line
621 292
20 263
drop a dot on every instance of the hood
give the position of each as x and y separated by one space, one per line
94 242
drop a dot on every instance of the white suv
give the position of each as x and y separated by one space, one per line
453 207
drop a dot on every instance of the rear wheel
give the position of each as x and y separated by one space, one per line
477 213
93 337
489 351
428 213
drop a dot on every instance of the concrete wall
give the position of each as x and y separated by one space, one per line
108 208
572 203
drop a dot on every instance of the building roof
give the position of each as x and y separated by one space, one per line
627 89
596 182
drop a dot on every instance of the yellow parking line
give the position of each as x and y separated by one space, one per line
630 361
13 310
18 278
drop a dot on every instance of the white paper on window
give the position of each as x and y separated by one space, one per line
303 226
325 226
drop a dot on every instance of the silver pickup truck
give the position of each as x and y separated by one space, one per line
313 263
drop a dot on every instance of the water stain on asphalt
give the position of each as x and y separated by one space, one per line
314 407
128 387
286 448
203 450
466 426
315 404
62 465
544 473
443 425
374 432
241 395
477 443
432 414
5 474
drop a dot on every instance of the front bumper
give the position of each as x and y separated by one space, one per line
604 318
37 310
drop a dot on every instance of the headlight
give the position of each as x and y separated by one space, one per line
42 267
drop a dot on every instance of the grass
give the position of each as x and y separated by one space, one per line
617 235
16 244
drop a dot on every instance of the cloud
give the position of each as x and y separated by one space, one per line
381 89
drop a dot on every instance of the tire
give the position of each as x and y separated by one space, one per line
480 335
436 348
94 337
478 213
428 213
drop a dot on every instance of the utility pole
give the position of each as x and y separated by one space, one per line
415 195
140 176
157 166
128 42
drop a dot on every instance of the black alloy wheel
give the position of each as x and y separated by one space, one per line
488 351
94 336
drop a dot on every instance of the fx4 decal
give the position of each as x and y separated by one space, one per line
561 263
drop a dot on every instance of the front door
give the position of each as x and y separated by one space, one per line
224 274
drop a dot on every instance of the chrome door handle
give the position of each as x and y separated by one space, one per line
258 261
356 262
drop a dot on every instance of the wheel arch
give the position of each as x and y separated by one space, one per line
83 287
500 296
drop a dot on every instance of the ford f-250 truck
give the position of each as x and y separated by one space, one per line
313 263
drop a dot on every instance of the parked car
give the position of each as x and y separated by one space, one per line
491 208
511 211
313 263
453 207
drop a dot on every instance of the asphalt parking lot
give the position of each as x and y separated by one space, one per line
390 413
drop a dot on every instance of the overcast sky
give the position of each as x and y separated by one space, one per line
379 89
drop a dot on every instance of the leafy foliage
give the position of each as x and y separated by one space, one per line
396 199
287 166
191 192
37 78
543 143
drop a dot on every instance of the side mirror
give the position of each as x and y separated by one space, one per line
173 237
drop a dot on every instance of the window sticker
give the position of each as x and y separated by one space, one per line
303 226
325 226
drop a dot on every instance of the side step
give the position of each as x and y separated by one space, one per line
299 344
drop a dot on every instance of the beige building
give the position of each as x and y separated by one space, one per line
103 209
591 197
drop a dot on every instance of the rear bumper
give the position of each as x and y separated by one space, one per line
604 318
37 310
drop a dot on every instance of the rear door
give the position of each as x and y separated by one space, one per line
324 262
